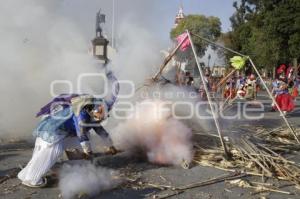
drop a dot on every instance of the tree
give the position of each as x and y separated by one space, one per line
208 27
267 30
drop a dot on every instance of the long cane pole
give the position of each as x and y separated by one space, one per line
274 101
218 45
224 79
167 59
208 97
258 74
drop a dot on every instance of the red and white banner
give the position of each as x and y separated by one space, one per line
184 40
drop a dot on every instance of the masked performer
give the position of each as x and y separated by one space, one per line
251 88
292 84
240 87
282 96
67 121
229 90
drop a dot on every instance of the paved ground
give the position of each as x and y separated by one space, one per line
18 153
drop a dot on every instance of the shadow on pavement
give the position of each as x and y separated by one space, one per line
20 145
125 193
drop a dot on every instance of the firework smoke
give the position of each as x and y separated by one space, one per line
86 179
151 128
38 46
42 41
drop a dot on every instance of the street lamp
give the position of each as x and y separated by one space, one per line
100 43
100 48
209 57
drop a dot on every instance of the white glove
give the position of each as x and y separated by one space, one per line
86 146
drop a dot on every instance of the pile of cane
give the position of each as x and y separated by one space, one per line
265 153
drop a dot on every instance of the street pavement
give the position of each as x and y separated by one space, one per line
14 154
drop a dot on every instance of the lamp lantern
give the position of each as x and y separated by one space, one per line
100 43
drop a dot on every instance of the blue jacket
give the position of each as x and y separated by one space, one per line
65 123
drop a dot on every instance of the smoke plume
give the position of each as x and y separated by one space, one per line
86 179
40 43
38 46
150 128
43 41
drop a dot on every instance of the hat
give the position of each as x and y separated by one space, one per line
281 69
252 77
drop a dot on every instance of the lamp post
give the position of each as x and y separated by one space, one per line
100 43
209 57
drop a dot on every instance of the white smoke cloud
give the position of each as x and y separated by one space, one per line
38 45
151 128
41 43
86 179
187 105
138 55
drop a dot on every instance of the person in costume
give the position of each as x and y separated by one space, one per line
251 87
297 83
282 96
208 81
292 84
241 88
66 123
229 90
189 80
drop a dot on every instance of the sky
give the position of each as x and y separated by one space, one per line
156 16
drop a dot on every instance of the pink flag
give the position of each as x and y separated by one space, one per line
184 40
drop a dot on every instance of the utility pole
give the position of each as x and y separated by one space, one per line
113 25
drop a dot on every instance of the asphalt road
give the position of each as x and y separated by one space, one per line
14 154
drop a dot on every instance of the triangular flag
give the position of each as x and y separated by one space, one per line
184 40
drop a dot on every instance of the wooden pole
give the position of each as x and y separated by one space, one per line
218 45
208 97
167 59
264 84
224 79
274 101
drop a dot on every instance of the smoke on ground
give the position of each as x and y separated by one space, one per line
86 179
150 128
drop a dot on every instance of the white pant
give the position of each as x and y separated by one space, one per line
44 157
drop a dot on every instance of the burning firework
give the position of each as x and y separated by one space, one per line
152 129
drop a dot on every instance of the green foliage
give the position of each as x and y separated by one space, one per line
208 27
266 30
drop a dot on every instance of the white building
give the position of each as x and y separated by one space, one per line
179 17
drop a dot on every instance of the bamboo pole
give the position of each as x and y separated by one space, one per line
167 59
208 97
224 79
274 101
258 74
218 45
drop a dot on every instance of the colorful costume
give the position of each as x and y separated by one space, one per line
241 92
229 90
66 123
292 83
280 89
283 98
251 88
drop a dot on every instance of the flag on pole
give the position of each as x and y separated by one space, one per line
238 62
184 40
